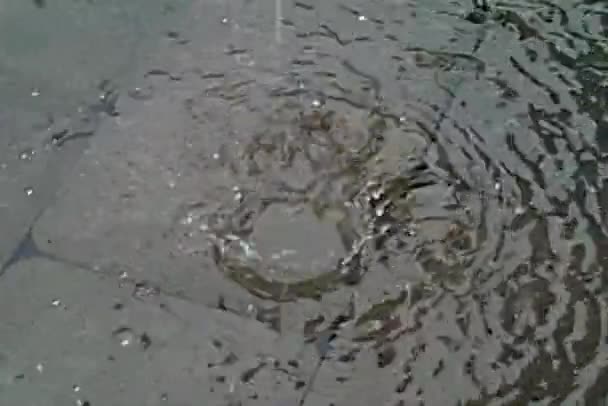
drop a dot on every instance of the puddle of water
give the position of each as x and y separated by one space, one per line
446 168
462 156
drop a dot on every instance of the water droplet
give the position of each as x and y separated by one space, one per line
35 93
216 156
362 18
76 388
56 302
40 368
145 341
144 289
316 103
225 20
28 191
164 397
27 154
124 335
123 275
519 210
377 194
251 309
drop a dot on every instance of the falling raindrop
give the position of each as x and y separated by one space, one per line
28 190
124 335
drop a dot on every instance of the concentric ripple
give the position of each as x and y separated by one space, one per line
442 173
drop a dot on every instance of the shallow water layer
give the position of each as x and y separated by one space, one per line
436 168
459 153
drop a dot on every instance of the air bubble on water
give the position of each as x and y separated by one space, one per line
124 335
28 190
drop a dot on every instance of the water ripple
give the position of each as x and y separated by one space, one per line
447 171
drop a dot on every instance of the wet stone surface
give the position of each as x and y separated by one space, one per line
382 202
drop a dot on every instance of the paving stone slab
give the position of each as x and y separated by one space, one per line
69 335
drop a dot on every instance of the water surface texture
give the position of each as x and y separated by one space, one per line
402 202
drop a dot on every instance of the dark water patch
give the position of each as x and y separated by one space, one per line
447 172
